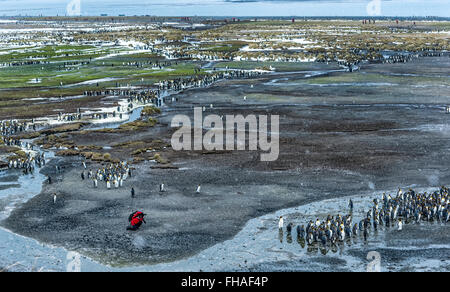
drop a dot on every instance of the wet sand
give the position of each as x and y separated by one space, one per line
335 141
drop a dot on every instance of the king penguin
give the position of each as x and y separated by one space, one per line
280 223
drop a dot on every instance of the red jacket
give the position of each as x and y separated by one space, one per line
138 217
138 213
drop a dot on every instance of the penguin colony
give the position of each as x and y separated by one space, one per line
114 174
409 207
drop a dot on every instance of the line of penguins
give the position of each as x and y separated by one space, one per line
13 127
408 207
199 81
23 63
153 95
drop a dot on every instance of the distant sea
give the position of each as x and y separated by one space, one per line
236 8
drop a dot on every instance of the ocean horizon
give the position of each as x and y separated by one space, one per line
238 8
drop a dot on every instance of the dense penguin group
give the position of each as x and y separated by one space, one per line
406 208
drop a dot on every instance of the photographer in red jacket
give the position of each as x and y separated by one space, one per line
136 220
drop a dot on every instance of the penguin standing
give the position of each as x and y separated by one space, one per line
289 228
198 189
310 238
323 239
355 230
400 225
341 234
301 231
281 223
54 198
161 188
366 234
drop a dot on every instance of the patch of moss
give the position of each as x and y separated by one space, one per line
20 153
68 152
89 147
137 125
139 151
97 156
64 128
138 159
150 110
31 135
87 155
128 144
52 140
160 159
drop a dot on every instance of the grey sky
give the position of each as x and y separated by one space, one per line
229 7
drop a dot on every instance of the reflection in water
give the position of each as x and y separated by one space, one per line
280 235
301 241
334 248
289 238
312 249
341 248
348 240
323 247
